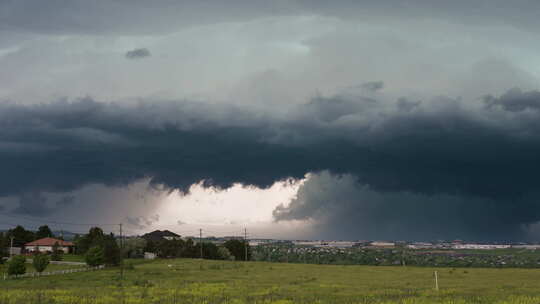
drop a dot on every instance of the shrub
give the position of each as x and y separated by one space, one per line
40 262
17 265
94 256
225 254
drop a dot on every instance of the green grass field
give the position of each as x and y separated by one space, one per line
195 281
72 258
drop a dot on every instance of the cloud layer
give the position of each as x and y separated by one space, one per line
467 157
254 92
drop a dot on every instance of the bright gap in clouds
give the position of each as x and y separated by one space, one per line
142 208
221 212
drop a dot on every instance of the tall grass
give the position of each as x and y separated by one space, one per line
194 282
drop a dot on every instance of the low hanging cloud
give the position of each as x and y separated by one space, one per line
515 100
475 161
142 222
35 203
138 53
343 208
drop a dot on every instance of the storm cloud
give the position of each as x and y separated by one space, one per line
342 208
473 163
124 16
415 119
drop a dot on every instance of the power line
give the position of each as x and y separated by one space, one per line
34 219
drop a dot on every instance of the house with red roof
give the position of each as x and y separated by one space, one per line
46 245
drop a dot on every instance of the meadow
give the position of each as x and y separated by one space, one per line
205 281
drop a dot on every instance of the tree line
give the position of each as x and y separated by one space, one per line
99 248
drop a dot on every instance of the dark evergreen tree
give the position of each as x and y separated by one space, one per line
43 232
111 251
20 236
4 244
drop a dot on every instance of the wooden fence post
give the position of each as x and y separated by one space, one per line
436 281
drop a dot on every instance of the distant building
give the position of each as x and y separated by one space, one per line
382 244
159 235
228 238
46 245
530 247
420 245
149 256
480 246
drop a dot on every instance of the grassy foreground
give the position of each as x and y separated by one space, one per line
195 281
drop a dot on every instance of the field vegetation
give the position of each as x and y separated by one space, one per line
204 281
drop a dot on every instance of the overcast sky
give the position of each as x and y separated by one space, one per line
296 119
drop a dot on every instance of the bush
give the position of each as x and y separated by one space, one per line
225 254
40 262
238 249
17 265
94 256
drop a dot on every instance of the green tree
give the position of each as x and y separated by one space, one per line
94 256
40 262
20 236
225 254
210 251
4 246
238 249
17 265
111 251
43 232
56 254
134 247
94 237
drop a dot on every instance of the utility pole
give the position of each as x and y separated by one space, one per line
11 248
121 253
245 244
200 242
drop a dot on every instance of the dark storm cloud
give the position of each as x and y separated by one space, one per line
477 162
343 208
406 105
127 16
35 203
137 53
143 17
